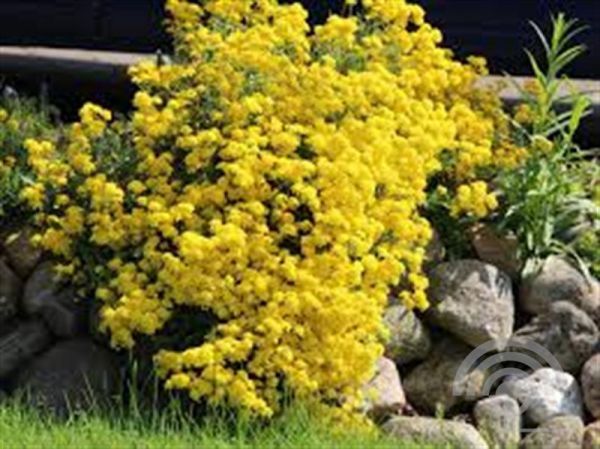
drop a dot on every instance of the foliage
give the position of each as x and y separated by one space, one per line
271 178
584 238
547 200
19 119
544 183
274 185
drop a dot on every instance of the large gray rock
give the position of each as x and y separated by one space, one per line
473 301
10 292
591 436
65 314
384 394
435 432
22 344
562 432
590 384
564 330
545 394
558 280
498 420
73 375
437 384
22 255
409 338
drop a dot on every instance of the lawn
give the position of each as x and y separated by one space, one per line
22 428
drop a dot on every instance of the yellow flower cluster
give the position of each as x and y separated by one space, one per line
474 199
276 183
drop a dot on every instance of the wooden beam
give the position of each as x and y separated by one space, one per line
84 69
104 63
510 93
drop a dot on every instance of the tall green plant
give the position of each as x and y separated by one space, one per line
543 202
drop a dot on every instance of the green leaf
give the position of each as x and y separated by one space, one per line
565 58
580 108
542 38
536 68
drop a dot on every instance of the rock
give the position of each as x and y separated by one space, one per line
473 301
384 393
21 344
590 384
563 432
63 312
591 436
498 420
558 280
22 255
497 250
435 432
545 394
40 288
436 384
66 315
10 292
73 375
564 330
409 338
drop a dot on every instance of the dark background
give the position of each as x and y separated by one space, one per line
497 29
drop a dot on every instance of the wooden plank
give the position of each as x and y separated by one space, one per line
72 55
84 69
510 93
73 58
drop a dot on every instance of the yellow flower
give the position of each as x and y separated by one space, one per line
474 199
524 114
276 182
34 195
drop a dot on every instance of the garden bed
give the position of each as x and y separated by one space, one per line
347 222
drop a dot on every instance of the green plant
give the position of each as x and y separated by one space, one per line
20 119
586 238
139 427
543 201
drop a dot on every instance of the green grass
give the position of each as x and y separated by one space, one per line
22 428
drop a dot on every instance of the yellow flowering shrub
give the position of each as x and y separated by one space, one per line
272 177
